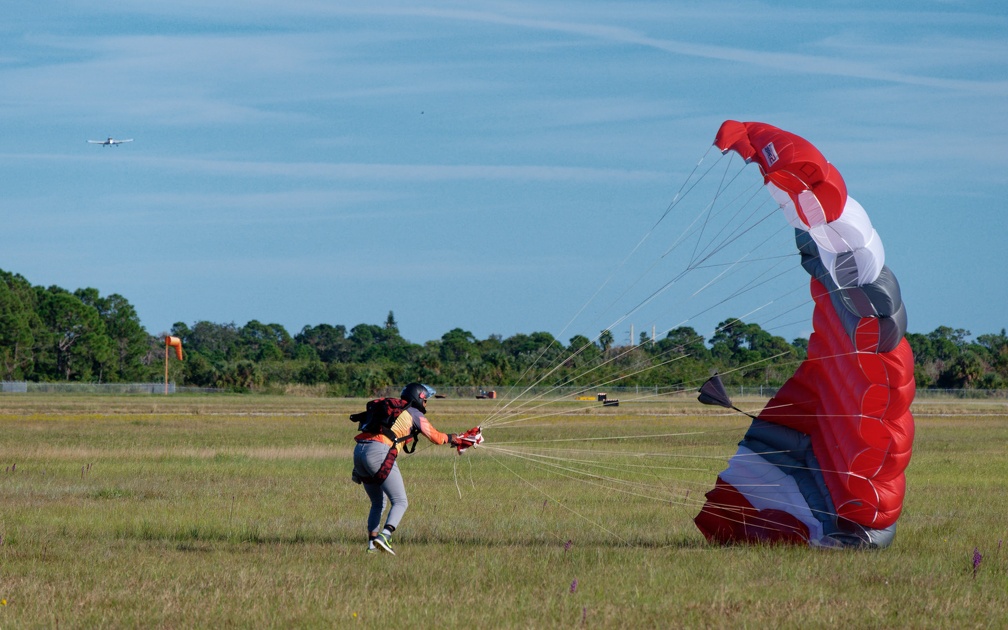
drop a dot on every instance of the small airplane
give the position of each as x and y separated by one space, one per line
111 142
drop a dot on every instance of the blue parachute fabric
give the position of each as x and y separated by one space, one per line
791 451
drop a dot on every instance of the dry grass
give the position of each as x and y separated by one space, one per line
238 511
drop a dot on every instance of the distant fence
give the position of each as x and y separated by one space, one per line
760 391
23 387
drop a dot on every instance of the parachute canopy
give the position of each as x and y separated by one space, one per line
824 461
791 168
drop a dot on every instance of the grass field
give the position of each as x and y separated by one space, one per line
239 511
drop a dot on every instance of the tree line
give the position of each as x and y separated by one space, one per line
51 334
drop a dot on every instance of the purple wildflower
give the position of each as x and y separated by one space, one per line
573 585
977 557
567 545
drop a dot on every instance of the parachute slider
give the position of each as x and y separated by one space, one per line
713 392
472 437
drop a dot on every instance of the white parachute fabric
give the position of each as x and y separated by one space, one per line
850 248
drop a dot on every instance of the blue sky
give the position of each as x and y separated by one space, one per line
483 165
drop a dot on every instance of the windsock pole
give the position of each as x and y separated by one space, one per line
170 342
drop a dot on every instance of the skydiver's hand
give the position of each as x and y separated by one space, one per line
452 440
472 437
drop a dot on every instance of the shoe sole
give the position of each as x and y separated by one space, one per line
383 546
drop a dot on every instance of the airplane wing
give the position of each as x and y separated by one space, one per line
110 142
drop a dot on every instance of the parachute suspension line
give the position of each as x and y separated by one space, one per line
697 261
745 227
567 467
510 448
679 193
494 420
778 407
678 196
746 290
710 206
571 472
588 473
668 285
502 406
704 214
688 184
524 406
515 419
500 409
693 265
621 438
752 192
560 503
676 353
745 258
455 475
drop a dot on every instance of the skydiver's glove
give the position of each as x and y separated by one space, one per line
452 439
472 437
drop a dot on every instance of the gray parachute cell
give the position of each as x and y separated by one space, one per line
854 535
880 299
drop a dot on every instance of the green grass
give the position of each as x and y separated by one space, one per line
239 511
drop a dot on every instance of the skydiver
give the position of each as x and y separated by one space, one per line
374 457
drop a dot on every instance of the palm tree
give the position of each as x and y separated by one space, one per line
605 340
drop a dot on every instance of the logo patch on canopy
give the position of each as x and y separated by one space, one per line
770 154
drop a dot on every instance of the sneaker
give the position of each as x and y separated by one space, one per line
372 549
383 544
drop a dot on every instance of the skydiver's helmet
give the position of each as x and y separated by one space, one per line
417 395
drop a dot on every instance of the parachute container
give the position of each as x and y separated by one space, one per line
823 463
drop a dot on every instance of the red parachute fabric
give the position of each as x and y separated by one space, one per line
789 162
855 405
849 400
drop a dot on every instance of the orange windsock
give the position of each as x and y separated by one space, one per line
174 342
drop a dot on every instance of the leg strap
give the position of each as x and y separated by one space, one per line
383 472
